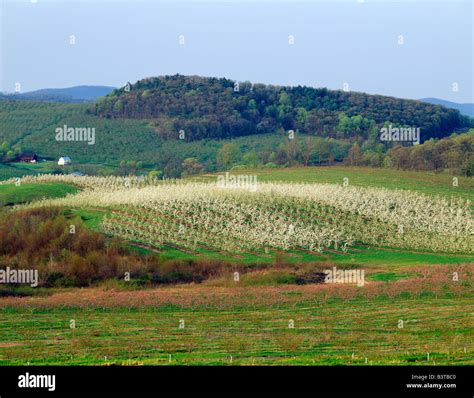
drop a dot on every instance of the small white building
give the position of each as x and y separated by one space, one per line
64 160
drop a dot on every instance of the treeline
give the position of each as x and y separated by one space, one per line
221 108
259 151
454 154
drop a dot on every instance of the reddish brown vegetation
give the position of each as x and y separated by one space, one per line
42 239
189 296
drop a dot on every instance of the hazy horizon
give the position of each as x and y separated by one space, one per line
403 49
116 87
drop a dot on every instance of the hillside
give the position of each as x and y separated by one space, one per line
31 126
221 108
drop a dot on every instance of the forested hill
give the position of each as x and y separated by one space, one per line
221 108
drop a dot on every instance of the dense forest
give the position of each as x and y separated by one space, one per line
201 107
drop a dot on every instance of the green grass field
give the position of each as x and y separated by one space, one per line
8 171
39 167
336 332
12 194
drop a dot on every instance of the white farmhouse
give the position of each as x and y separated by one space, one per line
64 160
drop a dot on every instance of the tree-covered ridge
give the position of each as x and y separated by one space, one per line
221 108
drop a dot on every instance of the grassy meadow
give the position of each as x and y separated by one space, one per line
235 326
24 193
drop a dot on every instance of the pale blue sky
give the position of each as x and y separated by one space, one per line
335 42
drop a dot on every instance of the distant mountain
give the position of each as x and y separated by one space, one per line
465 109
67 95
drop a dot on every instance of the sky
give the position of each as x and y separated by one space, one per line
408 49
